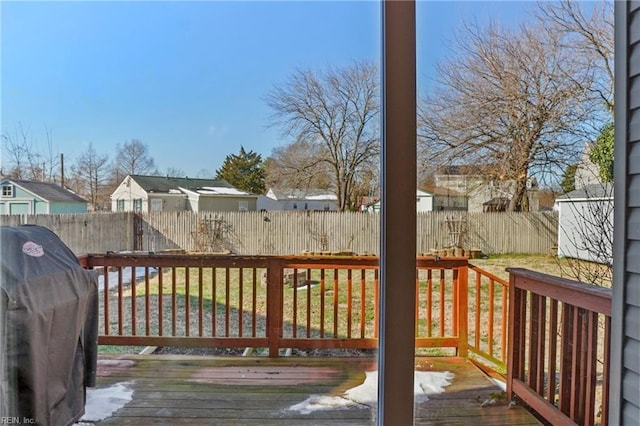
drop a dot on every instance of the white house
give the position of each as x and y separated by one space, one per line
298 199
424 202
159 193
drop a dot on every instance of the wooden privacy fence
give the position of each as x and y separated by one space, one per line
559 347
83 232
279 302
286 232
283 232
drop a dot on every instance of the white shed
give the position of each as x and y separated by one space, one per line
585 223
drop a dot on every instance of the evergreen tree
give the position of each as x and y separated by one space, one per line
245 171
602 153
568 183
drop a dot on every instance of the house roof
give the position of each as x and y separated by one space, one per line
593 191
497 201
302 194
437 190
48 191
170 184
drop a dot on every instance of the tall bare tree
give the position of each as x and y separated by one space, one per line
298 165
511 99
335 110
133 158
24 159
91 173
587 33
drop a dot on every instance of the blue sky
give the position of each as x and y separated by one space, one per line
189 79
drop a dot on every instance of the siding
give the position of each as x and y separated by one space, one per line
625 344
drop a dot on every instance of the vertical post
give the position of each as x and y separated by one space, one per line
274 306
463 311
398 215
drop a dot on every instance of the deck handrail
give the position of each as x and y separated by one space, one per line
335 307
558 360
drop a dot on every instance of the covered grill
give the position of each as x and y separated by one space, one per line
49 327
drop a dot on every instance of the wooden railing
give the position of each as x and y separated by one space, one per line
558 357
488 302
280 302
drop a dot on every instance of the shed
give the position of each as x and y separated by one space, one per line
585 223
32 197
49 307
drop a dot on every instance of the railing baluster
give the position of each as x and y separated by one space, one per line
308 285
295 303
134 310
363 308
349 303
456 297
105 295
120 302
214 301
442 303
187 301
174 302
160 302
322 302
200 303
335 303
240 301
429 303
227 300
146 302
478 325
254 303
491 318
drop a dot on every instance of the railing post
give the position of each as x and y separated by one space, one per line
274 306
463 309
512 362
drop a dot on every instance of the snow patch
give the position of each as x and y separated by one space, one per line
425 383
102 403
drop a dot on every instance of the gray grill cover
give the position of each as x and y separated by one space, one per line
49 327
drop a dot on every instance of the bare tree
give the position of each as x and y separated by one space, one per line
588 36
511 99
25 161
335 110
91 173
133 158
298 165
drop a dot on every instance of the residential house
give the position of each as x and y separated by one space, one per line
298 199
141 193
431 198
624 377
31 197
587 172
483 192
446 198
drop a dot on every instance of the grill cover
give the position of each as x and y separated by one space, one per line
49 327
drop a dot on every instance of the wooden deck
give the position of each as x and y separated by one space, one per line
198 390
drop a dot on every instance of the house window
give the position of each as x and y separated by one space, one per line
7 190
120 205
243 206
137 205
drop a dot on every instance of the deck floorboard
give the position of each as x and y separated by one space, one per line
197 390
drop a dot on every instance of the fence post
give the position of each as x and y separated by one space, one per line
274 305
463 309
